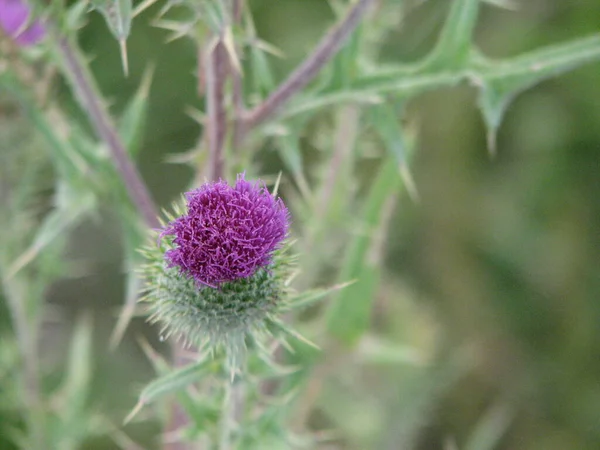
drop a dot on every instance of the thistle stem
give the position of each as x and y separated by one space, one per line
237 85
178 418
238 7
217 68
83 86
309 68
233 405
228 411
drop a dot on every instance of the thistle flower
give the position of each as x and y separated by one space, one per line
228 232
15 22
219 271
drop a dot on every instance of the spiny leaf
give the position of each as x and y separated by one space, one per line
71 208
291 155
158 362
79 367
349 315
278 325
133 233
499 82
386 121
170 383
142 6
375 350
454 43
310 297
133 120
68 162
118 15
263 80
345 64
74 18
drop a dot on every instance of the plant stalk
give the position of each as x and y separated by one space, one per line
85 91
309 68
227 416
217 70
237 84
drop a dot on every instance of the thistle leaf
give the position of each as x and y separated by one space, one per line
170 383
454 43
387 123
133 233
310 297
71 208
118 15
133 119
291 155
349 315
499 82
79 367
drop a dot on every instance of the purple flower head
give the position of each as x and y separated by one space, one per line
228 232
14 20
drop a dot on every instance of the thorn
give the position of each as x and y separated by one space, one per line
124 60
409 182
229 43
196 115
147 80
136 409
125 316
142 7
21 262
269 48
285 344
297 336
276 188
303 186
491 142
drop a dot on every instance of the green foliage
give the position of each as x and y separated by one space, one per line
349 316
462 314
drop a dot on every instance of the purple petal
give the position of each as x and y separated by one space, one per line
228 232
14 15
32 34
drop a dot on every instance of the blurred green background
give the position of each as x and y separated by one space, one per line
498 260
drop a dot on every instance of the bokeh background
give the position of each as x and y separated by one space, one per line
497 265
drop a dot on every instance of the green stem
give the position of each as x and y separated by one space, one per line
227 417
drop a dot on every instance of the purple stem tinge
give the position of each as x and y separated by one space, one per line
105 129
310 67
217 68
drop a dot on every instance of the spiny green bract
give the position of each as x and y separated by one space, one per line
214 317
